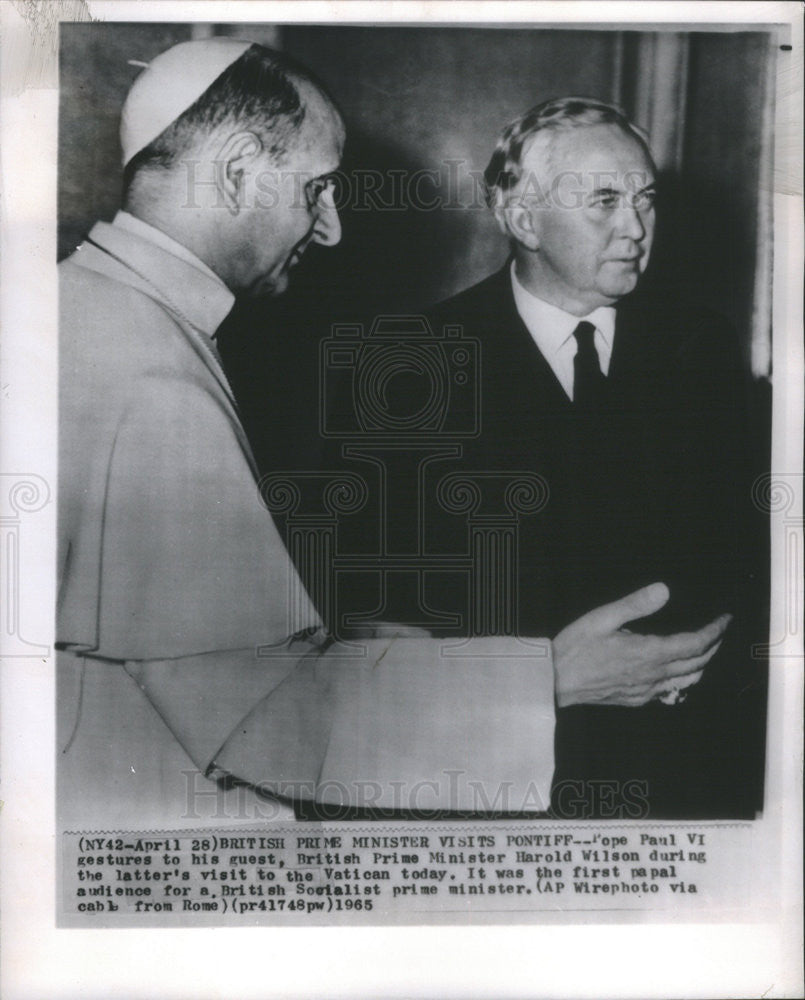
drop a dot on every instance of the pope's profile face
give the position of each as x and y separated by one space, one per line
280 219
592 213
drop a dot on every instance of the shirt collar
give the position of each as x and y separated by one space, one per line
551 326
185 281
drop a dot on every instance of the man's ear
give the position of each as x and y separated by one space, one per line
239 150
516 219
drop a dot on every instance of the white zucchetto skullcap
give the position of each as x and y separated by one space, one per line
170 84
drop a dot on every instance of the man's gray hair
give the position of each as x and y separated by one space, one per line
559 114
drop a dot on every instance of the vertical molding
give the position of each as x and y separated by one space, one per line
270 35
644 81
200 30
661 94
760 347
618 69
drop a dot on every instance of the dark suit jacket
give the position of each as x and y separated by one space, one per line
656 487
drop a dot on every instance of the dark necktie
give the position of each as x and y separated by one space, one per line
589 382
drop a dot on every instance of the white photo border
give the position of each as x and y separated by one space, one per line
757 954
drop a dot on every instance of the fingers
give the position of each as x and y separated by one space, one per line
674 692
687 645
635 699
679 668
639 604
679 684
678 675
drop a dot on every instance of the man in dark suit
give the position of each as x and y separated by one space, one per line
632 410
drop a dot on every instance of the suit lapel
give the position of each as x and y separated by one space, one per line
521 371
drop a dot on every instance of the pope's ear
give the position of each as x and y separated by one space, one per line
232 160
516 219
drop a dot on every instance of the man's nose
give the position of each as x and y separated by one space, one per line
327 228
630 223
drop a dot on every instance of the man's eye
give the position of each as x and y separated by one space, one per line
607 200
644 200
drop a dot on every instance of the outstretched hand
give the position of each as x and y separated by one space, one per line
598 662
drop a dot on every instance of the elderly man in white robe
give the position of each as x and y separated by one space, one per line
179 658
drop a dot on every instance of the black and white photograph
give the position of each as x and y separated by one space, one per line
489 401
424 484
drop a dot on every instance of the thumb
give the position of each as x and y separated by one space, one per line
638 604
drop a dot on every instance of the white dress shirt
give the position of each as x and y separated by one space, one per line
552 331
